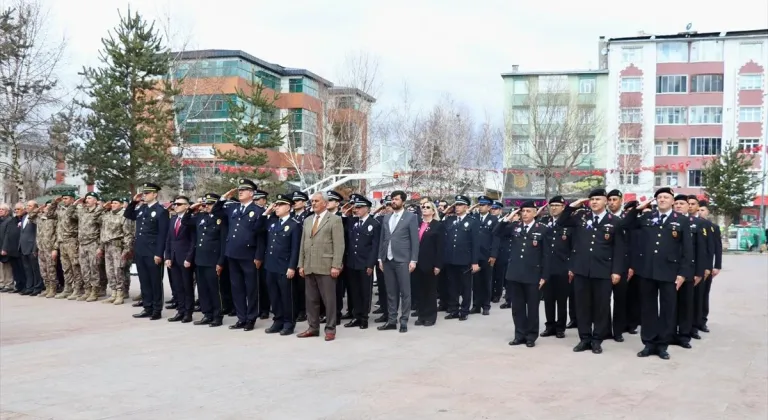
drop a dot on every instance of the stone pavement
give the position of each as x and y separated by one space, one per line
76 360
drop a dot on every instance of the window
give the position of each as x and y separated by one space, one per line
706 51
749 145
551 114
750 51
695 178
520 116
303 120
303 85
670 115
672 52
671 84
631 55
347 102
586 146
671 178
665 179
705 146
658 148
547 144
631 115
630 146
586 85
673 148
631 84
707 83
751 82
629 178
520 87
520 145
705 115
749 114
207 131
553 83
586 116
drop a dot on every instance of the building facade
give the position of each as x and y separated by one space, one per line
675 101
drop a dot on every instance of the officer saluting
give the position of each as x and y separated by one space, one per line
300 213
245 223
462 253
209 257
149 247
527 271
363 232
558 288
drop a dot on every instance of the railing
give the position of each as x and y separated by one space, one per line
334 181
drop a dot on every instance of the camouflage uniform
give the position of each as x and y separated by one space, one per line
89 231
46 243
117 235
66 244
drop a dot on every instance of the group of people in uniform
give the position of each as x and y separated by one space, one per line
243 257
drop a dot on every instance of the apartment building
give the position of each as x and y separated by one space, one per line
320 113
676 100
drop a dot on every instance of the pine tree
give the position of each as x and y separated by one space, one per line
254 125
730 181
129 129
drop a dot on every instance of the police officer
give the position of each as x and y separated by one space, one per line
664 267
245 223
500 256
597 262
634 255
685 294
462 253
209 257
620 290
300 213
149 248
381 287
260 199
363 233
488 245
717 243
557 289
705 258
528 271
282 256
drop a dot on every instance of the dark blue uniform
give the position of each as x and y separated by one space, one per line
686 293
381 287
462 249
717 244
558 288
299 294
282 253
264 296
362 251
244 226
488 244
211 234
151 230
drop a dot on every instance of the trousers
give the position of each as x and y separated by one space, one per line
398 280
594 308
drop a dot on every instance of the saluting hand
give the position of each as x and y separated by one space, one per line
195 206
578 203
137 196
231 193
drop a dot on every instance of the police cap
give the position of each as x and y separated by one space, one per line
246 184
462 199
284 199
483 200
300 196
334 196
150 187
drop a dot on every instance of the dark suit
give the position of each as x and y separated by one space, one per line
431 254
261 247
462 249
211 237
362 253
11 238
299 295
180 247
488 244
283 239
28 248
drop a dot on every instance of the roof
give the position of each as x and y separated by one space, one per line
276 68
753 33
554 73
340 90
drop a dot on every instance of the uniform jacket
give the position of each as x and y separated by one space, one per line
404 238
431 248
180 247
718 246
210 237
117 230
244 228
462 240
362 243
488 243
66 225
559 241
151 228
11 236
46 230
28 236
3 222
325 250
89 223
530 254
598 251
700 241
282 244
667 248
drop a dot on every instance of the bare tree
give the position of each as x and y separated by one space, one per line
554 134
30 81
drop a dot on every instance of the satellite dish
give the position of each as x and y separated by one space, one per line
688 26
604 51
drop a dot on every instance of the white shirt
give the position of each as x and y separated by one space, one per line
362 221
283 219
599 216
244 205
392 224
24 223
666 215
319 218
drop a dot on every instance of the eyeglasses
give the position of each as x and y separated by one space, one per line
180 204
426 207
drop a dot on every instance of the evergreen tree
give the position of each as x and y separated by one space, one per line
129 129
254 125
730 181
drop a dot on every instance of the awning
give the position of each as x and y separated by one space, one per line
760 200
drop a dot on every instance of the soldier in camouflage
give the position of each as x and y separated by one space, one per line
117 235
66 244
88 215
46 242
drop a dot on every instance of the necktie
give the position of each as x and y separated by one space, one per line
661 219
525 229
178 223
597 220
242 209
315 224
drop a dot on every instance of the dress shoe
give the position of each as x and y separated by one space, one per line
353 323
663 355
530 343
143 314
403 328
645 352
696 336
187 319
155 316
363 325
486 311
216 322
25 292
463 317
308 333
504 305
571 325
685 345
547 333
237 326
249 326
169 301
386 326
452 316
138 304
35 293
517 342
171 306
176 318
380 319
582 346
597 348
475 310
418 322
273 329
286 331
560 334
378 310
704 328
302 317
330 335
347 315
429 323
204 321
618 338
632 331
264 315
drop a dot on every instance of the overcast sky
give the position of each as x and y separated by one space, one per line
436 46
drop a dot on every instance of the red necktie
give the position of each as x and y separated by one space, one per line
176 228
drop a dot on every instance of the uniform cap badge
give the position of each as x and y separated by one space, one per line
466 224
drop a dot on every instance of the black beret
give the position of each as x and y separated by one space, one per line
462 199
598 192
681 197
557 199
246 184
663 190
614 193
528 204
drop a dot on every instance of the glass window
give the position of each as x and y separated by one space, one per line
303 85
553 83
201 107
586 115
672 52
671 115
586 146
706 51
520 116
705 115
673 148
303 120
707 83
670 178
206 131
695 178
631 115
520 87
631 55
671 84
749 114
268 80
749 145
520 145
630 146
658 148
587 85
629 178
705 146
631 84
750 82
551 115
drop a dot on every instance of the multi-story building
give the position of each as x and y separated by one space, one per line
677 100
321 115
554 131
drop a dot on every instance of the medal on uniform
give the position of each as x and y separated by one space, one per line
489 222
535 242
250 214
704 231
153 214
466 224
140 213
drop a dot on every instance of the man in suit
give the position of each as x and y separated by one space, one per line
398 254
179 258
9 249
363 237
6 274
320 263
28 248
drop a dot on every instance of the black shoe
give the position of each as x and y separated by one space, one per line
547 333
264 315
323 319
286 331
363 325
704 328
249 326
504 305
571 325
632 331
452 316
582 346
530 343
176 318
663 355
25 292
35 293
273 329
216 322
204 321
378 310
403 328
171 306
429 323
560 334
196 308
597 348
353 323
517 342
155 316
302 317
237 326
380 319
418 322
347 315
475 310
696 336
463 317
486 311
138 304
169 301
645 352
187 319
684 344
386 326
618 338
143 314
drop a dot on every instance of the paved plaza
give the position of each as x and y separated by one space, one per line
76 360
